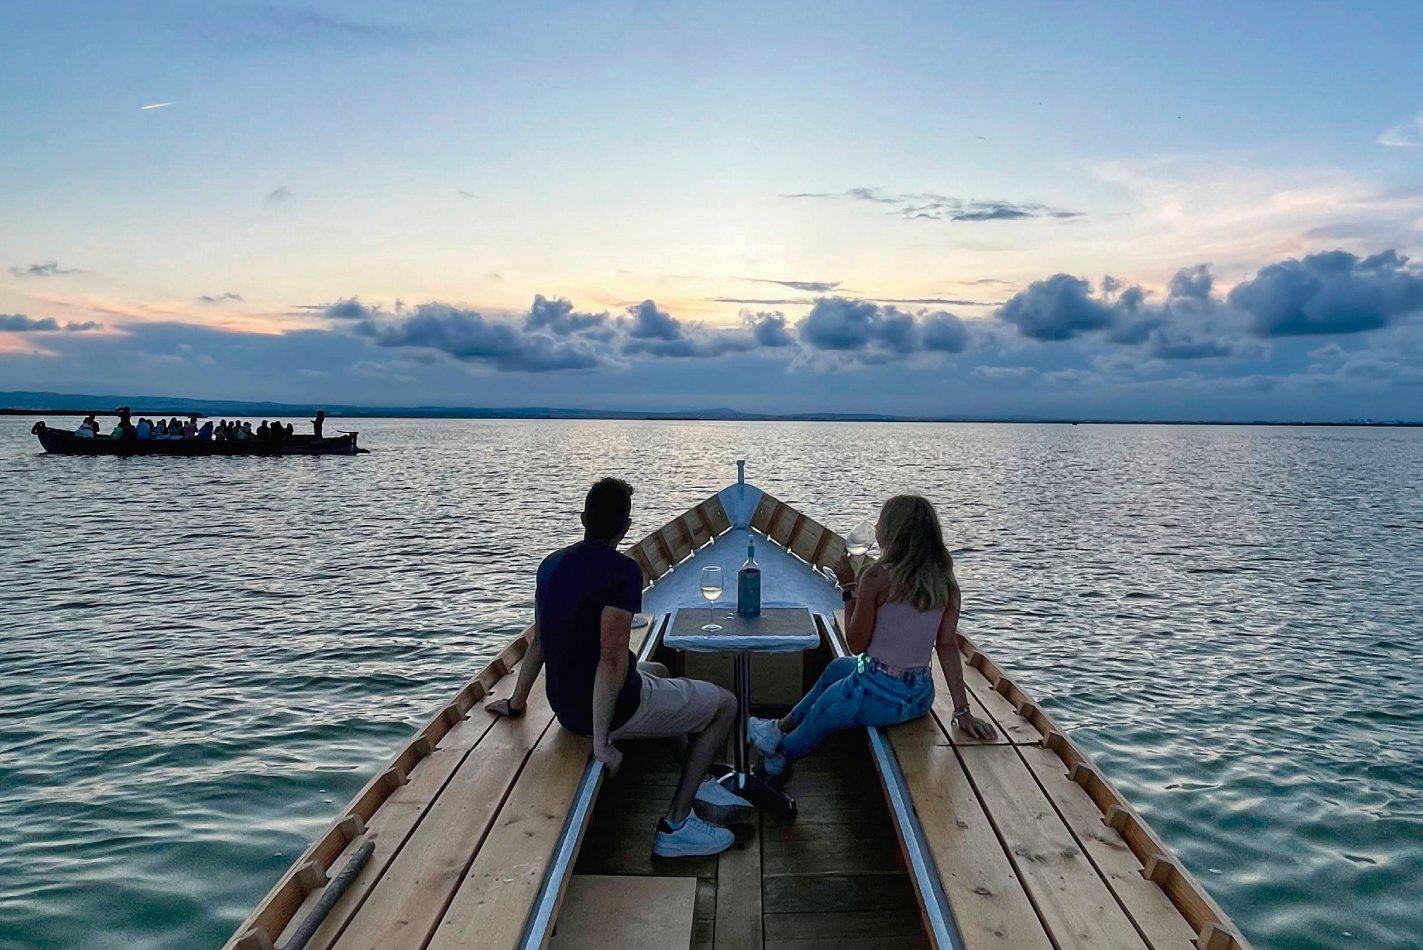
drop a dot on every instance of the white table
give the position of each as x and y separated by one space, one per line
778 629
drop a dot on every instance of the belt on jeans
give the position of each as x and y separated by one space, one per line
864 662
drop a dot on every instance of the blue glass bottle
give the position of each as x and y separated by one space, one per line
748 584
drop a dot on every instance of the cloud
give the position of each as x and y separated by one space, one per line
466 194
812 286
19 323
999 373
1404 135
558 317
1330 292
279 195
769 330
808 301
874 332
47 269
470 336
1058 308
927 206
220 298
156 105
266 25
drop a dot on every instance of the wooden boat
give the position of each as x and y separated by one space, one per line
64 442
499 833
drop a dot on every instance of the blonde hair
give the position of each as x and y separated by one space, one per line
918 563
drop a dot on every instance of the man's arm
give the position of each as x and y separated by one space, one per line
608 682
529 668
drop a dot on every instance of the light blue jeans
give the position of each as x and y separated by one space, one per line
855 691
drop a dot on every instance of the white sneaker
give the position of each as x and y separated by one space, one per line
695 837
715 802
765 735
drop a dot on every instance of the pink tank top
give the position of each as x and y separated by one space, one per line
904 637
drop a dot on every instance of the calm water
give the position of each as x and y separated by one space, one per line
202 660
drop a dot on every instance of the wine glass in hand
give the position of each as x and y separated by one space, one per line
860 538
711 590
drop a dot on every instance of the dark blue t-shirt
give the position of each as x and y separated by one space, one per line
574 585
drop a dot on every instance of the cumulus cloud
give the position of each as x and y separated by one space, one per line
1330 292
1058 308
927 206
19 323
470 336
220 298
769 330
46 269
876 332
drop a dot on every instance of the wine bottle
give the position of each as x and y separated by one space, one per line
748 584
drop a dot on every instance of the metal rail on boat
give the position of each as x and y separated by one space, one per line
539 927
939 916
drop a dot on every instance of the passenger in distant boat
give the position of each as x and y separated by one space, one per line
899 612
84 432
584 603
190 428
175 428
161 430
92 423
245 432
118 432
219 433
317 423
289 430
144 429
205 433
262 431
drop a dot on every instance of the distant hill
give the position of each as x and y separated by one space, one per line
32 403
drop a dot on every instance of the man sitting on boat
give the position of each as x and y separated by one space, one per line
585 599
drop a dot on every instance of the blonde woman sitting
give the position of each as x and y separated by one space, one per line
899 612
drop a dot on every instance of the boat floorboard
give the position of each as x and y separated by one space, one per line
831 877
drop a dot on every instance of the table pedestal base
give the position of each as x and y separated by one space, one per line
758 792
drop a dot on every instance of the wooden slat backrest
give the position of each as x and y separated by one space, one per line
678 540
714 515
765 512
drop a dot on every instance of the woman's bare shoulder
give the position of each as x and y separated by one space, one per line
874 577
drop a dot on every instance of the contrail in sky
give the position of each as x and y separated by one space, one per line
158 105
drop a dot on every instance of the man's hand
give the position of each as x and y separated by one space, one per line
505 707
609 755
980 729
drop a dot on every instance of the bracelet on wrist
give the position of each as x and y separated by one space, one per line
962 711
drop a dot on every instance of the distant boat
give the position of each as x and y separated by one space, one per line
64 442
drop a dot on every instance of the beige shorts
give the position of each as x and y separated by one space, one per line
670 707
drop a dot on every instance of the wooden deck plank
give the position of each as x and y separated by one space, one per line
601 912
1155 916
738 896
1080 911
493 899
988 899
393 823
408 900
1012 728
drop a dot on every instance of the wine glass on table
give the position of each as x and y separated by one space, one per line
711 590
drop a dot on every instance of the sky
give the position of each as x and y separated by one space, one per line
1097 209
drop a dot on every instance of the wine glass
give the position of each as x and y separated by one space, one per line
860 538
711 590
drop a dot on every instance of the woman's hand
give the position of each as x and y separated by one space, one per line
844 571
980 729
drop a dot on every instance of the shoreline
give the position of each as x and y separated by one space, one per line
615 416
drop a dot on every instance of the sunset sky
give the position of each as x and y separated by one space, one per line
1198 210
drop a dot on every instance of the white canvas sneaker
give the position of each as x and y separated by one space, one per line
715 802
765 735
695 837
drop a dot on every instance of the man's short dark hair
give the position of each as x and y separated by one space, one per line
606 509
